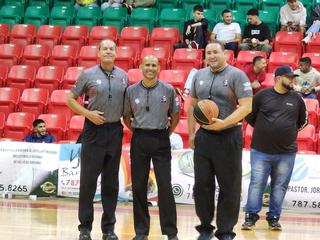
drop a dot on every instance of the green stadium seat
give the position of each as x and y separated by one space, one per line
11 14
189 4
271 5
270 18
115 17
37 15
67 3
245 4
210 15
144 17
172 17
41 3
220 4
22 3
88 16
240 17
160 4
61 15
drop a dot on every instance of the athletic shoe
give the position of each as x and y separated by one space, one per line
250 221
274 224
109 236
85 234
205 236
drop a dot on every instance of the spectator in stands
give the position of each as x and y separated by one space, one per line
195 31
39 134
227 32
111 3
256 34
85 3
315 27
293 16
130 4
256 72
277 115
307 83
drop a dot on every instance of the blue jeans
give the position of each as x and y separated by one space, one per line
314 28
279 167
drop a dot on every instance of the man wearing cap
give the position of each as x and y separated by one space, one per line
152 112
277 115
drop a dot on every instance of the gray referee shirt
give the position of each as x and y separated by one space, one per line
150 107
224 88
105 90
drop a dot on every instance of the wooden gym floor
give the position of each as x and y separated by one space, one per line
56 219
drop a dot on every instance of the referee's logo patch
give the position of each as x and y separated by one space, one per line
163 99
137 101
247 86
98 81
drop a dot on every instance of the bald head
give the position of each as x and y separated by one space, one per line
150 67
150 58
107 42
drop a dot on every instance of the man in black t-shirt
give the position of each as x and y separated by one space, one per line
277 115
195 31
256 35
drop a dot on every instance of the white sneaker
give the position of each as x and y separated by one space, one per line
307 39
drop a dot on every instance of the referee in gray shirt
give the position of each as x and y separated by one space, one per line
154 109
105 86
218 147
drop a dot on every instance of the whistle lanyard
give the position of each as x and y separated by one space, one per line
108 76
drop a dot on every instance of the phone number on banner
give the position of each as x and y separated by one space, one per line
305 204
13 188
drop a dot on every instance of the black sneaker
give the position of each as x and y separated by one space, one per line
250 221
140 237
172 237
205 236
274 224
85 234
109 236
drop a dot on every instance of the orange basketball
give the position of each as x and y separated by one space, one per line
204 111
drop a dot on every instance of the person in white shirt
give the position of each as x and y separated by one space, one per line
293 17
227 32
307 83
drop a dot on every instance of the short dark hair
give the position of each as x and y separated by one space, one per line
198 8
257 59
225 11
305 60
37 122
253 12
217 42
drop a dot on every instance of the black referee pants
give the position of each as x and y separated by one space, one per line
100 153
218 154
155 145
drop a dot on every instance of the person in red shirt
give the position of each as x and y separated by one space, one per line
256 72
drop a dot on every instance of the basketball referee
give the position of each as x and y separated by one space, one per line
105 84
218 147
154 108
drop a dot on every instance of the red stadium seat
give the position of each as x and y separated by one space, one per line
248 136
289 42
36 55
126 57
71 76
9 98
185 106
269 81
182 130
75 35
57 103
4 33
136 37
22 34
314 44
161 53
127 135
312 106
176 78
315 59
18 125
49 35
10 54
230 56
244 57
75 127
307 139
186 59
88 56
277 59
318 151
21 76
134 75
4 70
164 37
2 121
63 55
56 124
34 100
99 33
49 77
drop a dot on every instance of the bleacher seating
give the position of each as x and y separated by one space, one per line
49 77
10 54
99 33
36 55
21 77
18 125
34 100
9 98
56 124
4 69
136 37
22 34
70 77
75 127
